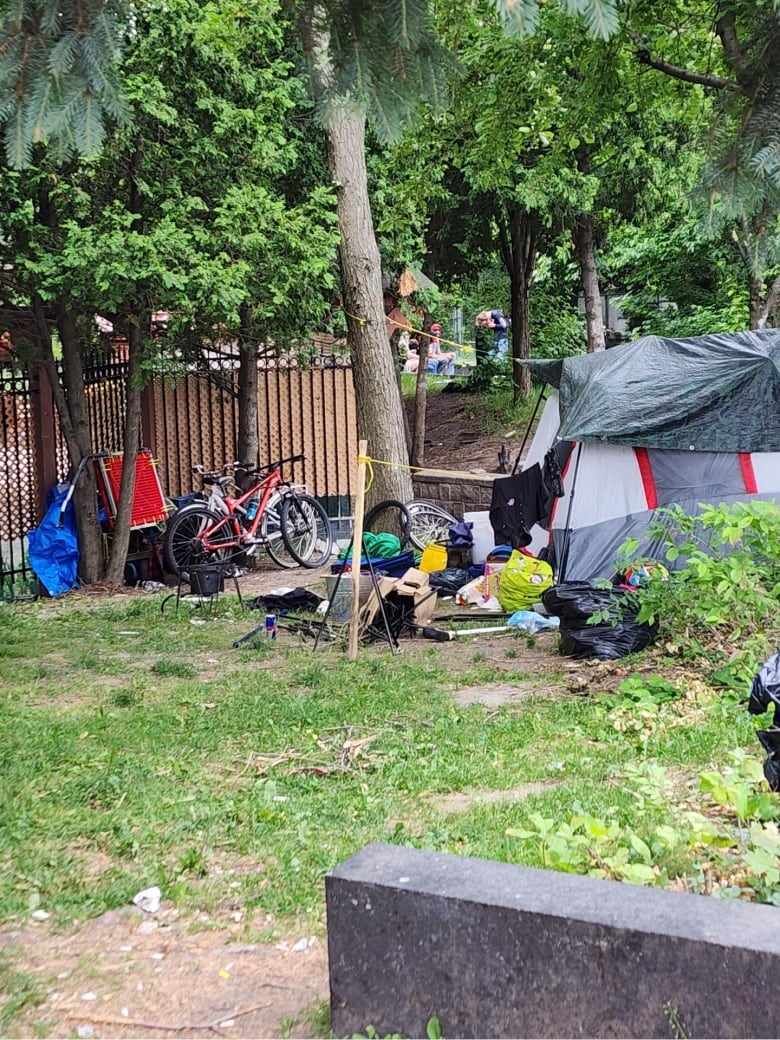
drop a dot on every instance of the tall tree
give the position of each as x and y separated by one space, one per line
731 50
182 213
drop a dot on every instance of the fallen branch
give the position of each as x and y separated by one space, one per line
139 1023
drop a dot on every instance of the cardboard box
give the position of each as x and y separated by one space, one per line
413 586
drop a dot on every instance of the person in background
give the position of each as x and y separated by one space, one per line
440 362
412 362
501 327
484 337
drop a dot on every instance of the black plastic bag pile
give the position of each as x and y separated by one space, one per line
764 693
575 602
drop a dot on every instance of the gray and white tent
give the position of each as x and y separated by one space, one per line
654 423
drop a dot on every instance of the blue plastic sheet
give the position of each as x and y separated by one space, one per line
53 548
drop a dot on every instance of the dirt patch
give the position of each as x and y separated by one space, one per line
454 438
494 695
130 974
462 801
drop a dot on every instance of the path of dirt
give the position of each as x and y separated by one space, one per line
454 435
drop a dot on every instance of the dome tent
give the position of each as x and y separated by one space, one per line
655 423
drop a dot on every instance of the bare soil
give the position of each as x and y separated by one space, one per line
130 974
455 437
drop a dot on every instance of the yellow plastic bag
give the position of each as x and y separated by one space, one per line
523 581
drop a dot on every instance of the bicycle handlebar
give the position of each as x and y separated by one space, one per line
201 470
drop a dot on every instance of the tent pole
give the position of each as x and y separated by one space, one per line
539 399
567 529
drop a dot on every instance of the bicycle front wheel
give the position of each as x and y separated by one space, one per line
183 545
306 530
430 524
271 533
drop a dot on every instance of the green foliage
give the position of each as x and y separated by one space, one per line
59 77
736 846
720 604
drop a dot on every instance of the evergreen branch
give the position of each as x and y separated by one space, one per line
518 16
63 54
601 15
18 147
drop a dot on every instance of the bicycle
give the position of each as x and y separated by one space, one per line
421 523
269 512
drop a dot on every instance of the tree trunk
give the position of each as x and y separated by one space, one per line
586 258
248 443
518 251
71 403
379 406
131 442
91 558
420 404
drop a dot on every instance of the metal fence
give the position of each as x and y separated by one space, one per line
193 418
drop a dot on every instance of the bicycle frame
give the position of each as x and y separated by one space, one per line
233 508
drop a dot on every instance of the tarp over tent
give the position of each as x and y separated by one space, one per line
704 393
655 423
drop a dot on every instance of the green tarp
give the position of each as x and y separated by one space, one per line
705 393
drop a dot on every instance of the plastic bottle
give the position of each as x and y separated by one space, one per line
251 508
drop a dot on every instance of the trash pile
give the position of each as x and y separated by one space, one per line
501 588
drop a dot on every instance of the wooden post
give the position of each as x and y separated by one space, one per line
357 552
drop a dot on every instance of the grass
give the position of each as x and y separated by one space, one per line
140 749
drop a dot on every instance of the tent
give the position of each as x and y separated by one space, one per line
653 423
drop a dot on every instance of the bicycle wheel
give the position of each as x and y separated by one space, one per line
306 530
271 533
183 547
429 523
389 517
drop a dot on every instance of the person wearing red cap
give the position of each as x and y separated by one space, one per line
440 362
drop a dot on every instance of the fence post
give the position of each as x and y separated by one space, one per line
44 421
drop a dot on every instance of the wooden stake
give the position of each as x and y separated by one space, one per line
357 552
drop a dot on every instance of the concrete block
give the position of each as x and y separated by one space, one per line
496 950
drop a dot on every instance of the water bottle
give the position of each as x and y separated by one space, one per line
251 508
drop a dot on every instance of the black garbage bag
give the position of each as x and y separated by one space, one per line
296 599
579 600
770 741
575 602
765 691
605 642
449 580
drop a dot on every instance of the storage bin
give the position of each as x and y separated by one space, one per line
484 539
206 580
341 603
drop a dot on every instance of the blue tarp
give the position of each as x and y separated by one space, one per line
53 547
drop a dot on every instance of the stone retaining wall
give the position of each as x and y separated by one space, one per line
458 493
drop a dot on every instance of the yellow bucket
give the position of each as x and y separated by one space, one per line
434 558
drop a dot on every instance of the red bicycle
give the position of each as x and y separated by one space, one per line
272 514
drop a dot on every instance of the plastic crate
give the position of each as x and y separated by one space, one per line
148 500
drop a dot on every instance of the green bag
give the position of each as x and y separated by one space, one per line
523 580
378 546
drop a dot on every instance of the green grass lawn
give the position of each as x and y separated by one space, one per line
141 749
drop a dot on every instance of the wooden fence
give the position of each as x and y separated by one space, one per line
193 419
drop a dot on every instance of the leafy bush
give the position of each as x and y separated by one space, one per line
720 602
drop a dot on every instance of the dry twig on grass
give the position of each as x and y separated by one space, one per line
211 1024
